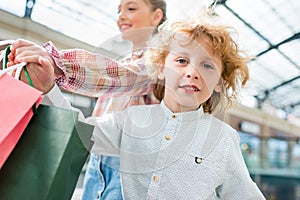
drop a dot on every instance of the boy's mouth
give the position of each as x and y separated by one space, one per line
190 88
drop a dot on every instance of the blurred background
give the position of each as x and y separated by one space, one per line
268 114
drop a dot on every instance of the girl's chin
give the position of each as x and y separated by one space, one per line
128 35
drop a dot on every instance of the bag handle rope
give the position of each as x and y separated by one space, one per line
17 66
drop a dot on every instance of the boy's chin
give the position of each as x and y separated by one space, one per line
189 106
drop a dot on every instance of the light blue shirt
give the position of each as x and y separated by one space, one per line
165 155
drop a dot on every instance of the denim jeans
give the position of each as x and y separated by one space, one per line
102 179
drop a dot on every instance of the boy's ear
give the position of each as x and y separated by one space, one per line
157 16
219 86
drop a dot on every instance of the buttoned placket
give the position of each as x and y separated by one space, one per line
166 138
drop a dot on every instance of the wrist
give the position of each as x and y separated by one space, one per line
47 89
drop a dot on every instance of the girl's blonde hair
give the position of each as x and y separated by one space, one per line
220 38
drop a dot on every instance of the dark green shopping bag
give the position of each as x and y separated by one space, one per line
48 159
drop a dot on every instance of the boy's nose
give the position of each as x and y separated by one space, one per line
192 73
190 76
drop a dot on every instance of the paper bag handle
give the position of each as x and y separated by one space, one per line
20 65
9 70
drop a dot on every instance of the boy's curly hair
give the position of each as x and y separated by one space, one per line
220 38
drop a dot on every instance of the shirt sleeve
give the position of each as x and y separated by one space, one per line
238 184
107 131
93 75
107 134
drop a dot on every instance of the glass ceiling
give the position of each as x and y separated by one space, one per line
269 29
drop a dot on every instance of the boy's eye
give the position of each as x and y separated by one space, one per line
182 61
131 8
208 66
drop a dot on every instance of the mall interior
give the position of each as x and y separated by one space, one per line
267 117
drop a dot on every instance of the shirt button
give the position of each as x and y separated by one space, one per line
174 116
167 137
155 178
198 160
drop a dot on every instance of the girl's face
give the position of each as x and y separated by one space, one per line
136 20
191 75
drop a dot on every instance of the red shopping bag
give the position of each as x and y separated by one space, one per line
17 101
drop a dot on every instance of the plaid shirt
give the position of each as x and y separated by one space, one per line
117 85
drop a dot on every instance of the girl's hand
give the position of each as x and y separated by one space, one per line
40 64
41 74
26 51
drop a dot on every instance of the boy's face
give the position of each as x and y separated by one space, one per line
191 75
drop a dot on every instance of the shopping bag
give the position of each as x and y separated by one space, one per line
49 157
17 101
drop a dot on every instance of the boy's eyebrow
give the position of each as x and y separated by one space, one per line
179 53
185 53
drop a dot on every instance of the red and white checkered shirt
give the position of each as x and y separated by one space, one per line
117 85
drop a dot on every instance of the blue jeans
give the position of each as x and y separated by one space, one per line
102 179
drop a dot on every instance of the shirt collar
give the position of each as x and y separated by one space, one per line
190 115
134 56
139 52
